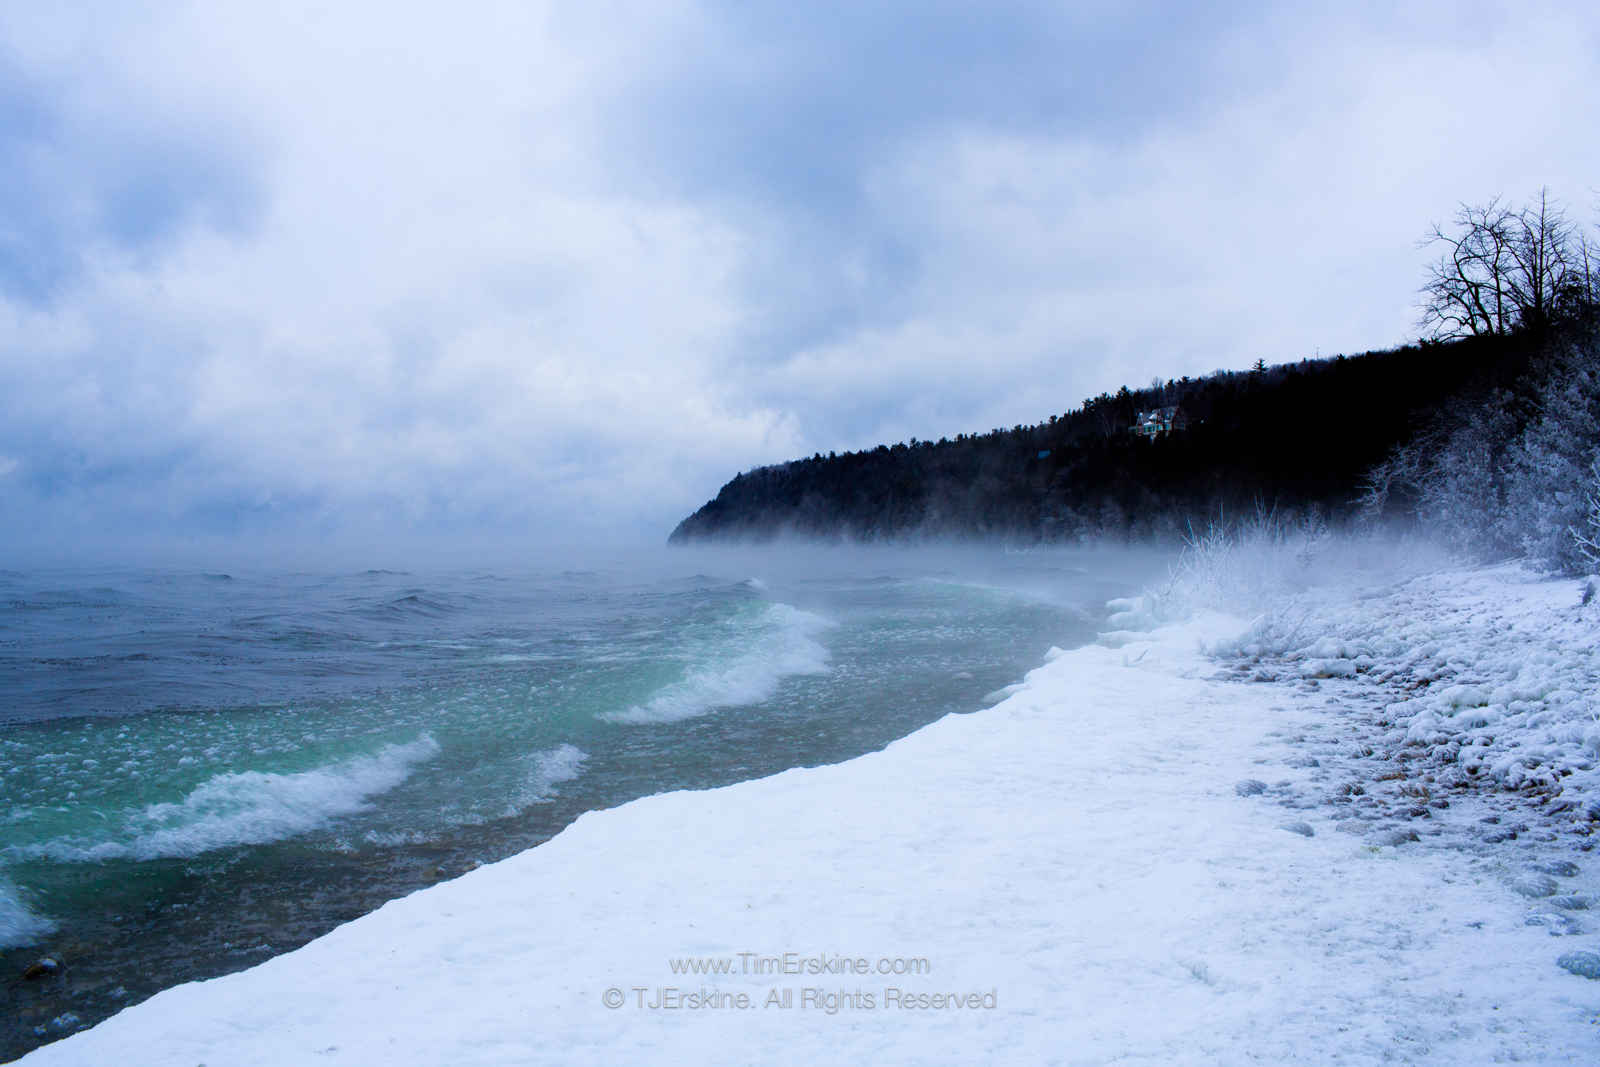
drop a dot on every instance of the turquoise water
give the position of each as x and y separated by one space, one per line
199 771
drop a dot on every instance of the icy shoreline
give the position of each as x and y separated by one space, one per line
1112 863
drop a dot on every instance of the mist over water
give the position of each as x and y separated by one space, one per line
202 769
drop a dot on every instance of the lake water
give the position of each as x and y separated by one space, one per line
201 770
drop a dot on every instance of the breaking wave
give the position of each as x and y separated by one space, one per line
782 642
18 925
546 770
247 808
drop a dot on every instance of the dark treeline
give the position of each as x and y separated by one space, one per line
1295 436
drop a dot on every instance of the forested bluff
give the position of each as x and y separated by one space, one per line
1297 437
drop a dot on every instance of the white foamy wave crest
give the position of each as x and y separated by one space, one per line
18 925
782 643
548 769
249 808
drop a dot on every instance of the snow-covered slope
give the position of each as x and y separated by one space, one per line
1136 857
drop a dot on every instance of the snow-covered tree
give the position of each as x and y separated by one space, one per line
1492 477
1451 477
1550 475
1586 538
1461 488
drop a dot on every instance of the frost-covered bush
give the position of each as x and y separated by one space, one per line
1242 562
1251 565
1586 538
1461 496
1550 475
1451 478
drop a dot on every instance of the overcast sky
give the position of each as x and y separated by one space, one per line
551 271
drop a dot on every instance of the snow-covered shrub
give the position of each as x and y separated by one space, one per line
1450 478
1249 566
1586 537
1461 489
1390 488
1551 467
1242 562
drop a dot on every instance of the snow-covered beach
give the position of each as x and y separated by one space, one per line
1355 829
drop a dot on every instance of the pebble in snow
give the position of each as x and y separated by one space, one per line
1250 787
1560 868
1582 964
1556 923
1302 828
1535 885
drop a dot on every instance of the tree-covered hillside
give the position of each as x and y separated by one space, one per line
1296 435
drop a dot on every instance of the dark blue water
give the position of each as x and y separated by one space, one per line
200 770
